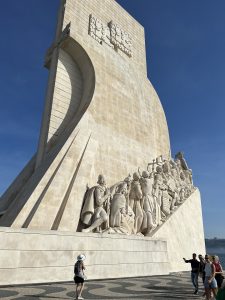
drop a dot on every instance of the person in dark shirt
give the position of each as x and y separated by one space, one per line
202 269
195 265
79 275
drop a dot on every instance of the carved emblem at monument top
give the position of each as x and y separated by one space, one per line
111 34
140 204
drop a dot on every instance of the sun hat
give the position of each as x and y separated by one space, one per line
81 257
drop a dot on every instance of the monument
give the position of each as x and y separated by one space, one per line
103 181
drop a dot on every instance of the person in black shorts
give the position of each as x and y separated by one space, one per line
79 275
195 264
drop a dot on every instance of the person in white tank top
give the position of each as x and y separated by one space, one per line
210 281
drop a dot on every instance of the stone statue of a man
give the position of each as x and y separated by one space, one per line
148 203
93 213
121 217
136 201
180 160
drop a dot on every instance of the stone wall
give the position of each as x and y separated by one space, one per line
28 256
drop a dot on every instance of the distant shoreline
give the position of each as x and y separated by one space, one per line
218 243
216 247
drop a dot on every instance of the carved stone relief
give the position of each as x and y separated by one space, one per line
120 38
99 31
140 204
110 34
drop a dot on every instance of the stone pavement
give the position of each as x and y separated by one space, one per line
173 286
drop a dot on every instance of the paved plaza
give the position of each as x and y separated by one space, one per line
173 286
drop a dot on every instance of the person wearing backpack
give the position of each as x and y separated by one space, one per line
79 275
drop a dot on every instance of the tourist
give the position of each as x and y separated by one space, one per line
219 270
79 275
202 269
210 281
195 264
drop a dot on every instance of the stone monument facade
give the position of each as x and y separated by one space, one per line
103 168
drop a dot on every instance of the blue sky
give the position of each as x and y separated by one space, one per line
185 41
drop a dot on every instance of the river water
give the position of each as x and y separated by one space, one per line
220 251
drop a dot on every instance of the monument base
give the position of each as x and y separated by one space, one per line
30 256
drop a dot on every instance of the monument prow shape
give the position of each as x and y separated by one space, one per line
101 116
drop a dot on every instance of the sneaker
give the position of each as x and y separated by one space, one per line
80 298
195 292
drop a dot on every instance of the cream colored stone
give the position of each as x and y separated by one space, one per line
48 256
184 233
123 118
102 116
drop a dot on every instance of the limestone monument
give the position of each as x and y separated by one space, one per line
102 181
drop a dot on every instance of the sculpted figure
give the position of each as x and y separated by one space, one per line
157 195
148 203
135 201
165 198
93 213
180 156
121 218
171 185
178 174
188 172
185 177
186 187
175 170
178 186
128 181
140 204
114 187
182 195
